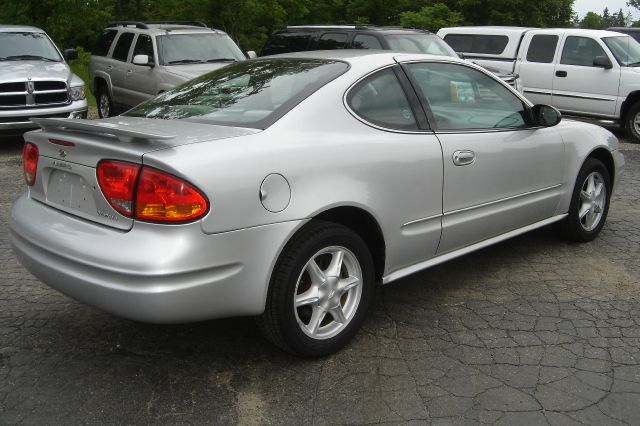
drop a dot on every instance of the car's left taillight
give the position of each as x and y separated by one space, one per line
30 156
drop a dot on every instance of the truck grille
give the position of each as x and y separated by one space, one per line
31 94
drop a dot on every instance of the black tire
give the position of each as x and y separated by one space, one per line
633 130
282 323
104 101
573 227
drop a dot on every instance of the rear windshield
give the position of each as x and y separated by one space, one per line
488 44
285 43
419 43
24 46
197 48
245 94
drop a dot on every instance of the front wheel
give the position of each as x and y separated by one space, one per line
589 202
632 122
320 290
105 105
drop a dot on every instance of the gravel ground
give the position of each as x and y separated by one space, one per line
530 331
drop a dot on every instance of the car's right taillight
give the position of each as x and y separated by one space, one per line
30 156
117 180
149 194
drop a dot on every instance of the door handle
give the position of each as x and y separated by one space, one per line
109 67
464 158
129 71
561 73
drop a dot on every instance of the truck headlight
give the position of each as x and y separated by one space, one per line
77 93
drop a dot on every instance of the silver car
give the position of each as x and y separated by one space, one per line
287 187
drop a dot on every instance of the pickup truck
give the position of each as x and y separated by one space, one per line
592 74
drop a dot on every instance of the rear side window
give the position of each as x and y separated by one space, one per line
285 43
477 43
365 41
542 48
380 100
104 42
580 51
331 41
121 51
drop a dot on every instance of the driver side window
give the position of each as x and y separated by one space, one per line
463 98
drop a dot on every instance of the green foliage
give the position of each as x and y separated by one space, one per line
73 23
595 21
431 17
80 67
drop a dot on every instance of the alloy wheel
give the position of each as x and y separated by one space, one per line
593 196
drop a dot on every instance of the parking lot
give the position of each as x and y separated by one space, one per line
531 331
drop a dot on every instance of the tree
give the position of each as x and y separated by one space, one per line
431 17
592 20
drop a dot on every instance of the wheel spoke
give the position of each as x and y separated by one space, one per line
590 185
336 264
309 297
338 314
317 316
584 209
598 190
347 284
316 274
584 195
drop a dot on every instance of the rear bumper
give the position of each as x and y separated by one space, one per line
152 273
18 120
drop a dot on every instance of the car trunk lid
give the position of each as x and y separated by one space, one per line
70 150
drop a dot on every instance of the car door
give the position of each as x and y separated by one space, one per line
119 68
500 173
581 87
536 68
141 81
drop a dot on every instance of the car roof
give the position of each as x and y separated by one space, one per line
163 27
497 29
625 29
352 55
20 28
579 31
373 28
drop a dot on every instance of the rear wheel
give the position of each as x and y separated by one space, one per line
589 202
105 104
632 122
320 290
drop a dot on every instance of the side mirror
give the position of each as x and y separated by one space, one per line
602 61
251 54
70 54
141 60
545 115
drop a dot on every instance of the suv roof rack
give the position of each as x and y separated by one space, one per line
352 27
145 24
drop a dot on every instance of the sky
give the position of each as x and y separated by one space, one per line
581 7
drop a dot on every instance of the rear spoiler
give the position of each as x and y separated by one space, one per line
120 131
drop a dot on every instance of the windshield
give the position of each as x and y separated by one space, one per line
419 43
197 48
18 46
246 94
625 49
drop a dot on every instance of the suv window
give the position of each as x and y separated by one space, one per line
331 41
542 48
144 46
286 42
379 99
104 42
477 43
123 44
365 41
197 47
461 98
580 51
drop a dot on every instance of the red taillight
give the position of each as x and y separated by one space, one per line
117 181
30 162
164 198
159 197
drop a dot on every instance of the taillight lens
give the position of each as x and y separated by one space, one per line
30 156
164 198
159 197
117 181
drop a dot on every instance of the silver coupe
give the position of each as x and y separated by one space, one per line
286 187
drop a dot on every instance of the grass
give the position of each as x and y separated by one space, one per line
80 67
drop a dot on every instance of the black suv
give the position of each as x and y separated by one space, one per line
329 37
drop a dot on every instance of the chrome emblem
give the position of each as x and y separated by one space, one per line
62 153
30 87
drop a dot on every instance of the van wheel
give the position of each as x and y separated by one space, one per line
105 104
320 290
632 122
589 203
